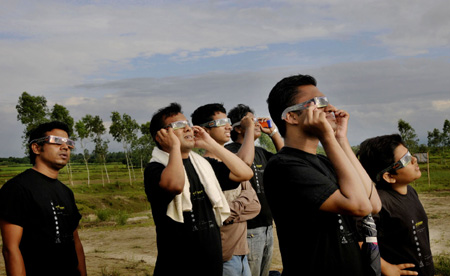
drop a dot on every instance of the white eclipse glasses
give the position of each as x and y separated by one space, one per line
51 139
318 101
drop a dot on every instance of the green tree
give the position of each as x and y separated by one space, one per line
123 129
83 132
266 143
446 134
31 112
143 146
97 130
408 135
434 139
60 113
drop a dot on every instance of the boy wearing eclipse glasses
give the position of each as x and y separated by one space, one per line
402 223
185 193
243 201
313 198
38 214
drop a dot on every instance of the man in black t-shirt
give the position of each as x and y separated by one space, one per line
187 201
311 196
246 129
38 214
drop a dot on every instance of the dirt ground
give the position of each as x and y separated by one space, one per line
132 250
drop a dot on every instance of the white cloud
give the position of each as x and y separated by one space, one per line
441 105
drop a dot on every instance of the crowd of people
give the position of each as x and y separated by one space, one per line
334 214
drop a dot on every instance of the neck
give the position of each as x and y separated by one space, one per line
49 172
302 142
400 188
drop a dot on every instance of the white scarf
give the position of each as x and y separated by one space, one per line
182 202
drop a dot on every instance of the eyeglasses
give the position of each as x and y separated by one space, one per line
178 124
318 101
403 162
51 139
255 120
217 123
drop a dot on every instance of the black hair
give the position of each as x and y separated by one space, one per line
236 114
283 95
205 113
377 153
159 116
40 131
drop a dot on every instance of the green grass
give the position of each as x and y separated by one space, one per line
442 265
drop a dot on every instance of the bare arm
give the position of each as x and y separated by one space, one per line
172 177
276 137
247 151
80 254
341 136
351 197
12 235
239 171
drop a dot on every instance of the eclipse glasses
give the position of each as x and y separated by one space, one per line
217 123
403 162
51 139
178 124
318 101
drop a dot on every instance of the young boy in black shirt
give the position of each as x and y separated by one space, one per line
403 235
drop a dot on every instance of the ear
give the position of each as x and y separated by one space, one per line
36 148
238 129
292 118
389 178
207 129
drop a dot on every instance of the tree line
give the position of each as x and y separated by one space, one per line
136 140
138 144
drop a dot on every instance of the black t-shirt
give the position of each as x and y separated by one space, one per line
403 235
264 218
312 242
193 247
46 210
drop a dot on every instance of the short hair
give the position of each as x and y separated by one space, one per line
205 113
40 132
236 114
283 95
157 121
377 153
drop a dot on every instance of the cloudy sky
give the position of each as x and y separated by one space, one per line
380 60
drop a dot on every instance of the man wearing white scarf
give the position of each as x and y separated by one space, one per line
187 201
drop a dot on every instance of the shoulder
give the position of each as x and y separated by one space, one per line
17 181
234 147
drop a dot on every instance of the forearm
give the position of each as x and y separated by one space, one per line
247 151
13 261
80 254
366 181
239 171
277 141
172 177
356 199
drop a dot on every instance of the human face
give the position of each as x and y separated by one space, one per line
408 173
309 92
185 135
53 156
257 125
220 134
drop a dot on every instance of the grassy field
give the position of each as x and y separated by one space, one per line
109 207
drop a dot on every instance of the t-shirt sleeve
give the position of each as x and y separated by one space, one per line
152 177
223 174
13 204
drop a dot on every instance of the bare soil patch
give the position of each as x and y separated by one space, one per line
131 249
